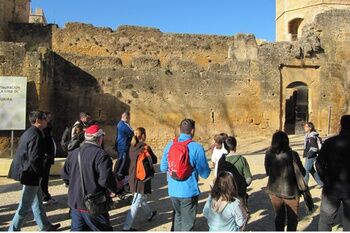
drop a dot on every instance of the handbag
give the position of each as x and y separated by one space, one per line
304 189
96 203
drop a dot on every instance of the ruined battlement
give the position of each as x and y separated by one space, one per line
235 84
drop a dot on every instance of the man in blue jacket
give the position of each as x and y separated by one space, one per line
184 194
123 139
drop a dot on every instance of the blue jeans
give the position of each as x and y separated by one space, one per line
139 200
30 199
310 169
185 213
329 211
88 222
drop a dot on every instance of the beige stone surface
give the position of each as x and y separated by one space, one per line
262 217
306 10
235 84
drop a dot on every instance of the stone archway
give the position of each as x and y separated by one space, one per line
296 107
293 28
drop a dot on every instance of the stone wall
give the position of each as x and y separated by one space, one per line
227 84
286 11
16 61
12 11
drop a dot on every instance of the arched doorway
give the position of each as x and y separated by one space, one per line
297 107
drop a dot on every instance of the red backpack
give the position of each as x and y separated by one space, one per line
179 166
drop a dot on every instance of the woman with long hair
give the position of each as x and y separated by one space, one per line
139 188
223 210
312 146
282 184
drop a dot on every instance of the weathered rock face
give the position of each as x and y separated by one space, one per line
227 84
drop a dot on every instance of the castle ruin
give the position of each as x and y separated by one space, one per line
234 84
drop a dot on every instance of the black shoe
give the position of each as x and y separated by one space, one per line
153 214
131 229
54 227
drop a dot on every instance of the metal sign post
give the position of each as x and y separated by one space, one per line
12 144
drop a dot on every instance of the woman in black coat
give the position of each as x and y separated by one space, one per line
139 187
282 185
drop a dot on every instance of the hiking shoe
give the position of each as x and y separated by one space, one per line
51 201
153 214
54 227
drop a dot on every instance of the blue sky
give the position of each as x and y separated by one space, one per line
221 17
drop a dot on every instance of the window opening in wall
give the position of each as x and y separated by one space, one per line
293 28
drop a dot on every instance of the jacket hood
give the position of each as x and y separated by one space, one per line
218 205
313 134
235 157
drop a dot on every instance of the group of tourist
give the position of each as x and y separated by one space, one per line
92 182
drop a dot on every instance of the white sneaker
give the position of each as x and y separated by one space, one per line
50 202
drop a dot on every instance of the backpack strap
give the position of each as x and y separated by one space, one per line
176 140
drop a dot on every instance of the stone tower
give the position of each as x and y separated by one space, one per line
16 11
292 15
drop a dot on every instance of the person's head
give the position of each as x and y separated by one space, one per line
85 117
78 129
126 116
280 142
309 127
38 119
94 134
48 116
345 123
187 126
219 139
230 143
140 135
224 187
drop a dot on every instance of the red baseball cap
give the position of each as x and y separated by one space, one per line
94 131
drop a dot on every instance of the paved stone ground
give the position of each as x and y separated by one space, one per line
262 217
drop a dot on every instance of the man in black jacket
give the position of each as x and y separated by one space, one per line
333 165
49 160
27 167
96 167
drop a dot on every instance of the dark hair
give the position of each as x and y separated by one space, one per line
37 114
79 126
311 125
280 142
225 187
187 125
84 114
141 131
220 138
230 143
90 123
345 123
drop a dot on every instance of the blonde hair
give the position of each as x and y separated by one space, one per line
139 132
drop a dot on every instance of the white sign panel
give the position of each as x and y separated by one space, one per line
13 93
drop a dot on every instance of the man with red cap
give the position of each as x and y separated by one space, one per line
96 168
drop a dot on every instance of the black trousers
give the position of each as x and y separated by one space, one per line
45 181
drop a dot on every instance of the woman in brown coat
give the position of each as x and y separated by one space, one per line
139 187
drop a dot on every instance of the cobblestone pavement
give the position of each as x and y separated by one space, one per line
262 217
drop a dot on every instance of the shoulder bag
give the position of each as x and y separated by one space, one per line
304 189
